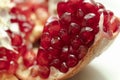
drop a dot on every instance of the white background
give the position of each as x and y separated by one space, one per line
107 65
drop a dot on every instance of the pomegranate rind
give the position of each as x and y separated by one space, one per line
6 76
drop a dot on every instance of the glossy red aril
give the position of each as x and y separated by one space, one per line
16 40
9 57
71 34
26 14
20 15
29 58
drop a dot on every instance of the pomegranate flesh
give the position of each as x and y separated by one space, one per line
67 38
68 41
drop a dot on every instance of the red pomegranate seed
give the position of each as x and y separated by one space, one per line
64 53
66 18
12 67
29 58
43 56
12 55
8 60
61 8
3 64
82 50
56 63
76 42
46 39
71 60
63 68
26 26
87 37
64 35
44 71
22 49
107 17
100 6
53 27
2 52
74 29
16 40
53 53
56 42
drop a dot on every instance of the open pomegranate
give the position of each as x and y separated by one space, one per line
30 16
67 42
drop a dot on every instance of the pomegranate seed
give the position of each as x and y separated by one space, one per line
63 68
43 56
66 18
107 17
12 55
3 64
26 26
12 67
44 71
100 6
64 53
56 42
2 52
16 40
76 42
82 52
87 37
79 13
72 60
8 61
74 29
88 7
53 53
61 8
53 27
64 35
56 63
22 49
46 39
29 58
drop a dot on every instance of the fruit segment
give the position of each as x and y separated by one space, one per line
67 38
42 48
29 16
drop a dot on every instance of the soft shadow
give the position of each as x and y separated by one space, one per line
89 73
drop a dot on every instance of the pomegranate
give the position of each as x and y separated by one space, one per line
67 42
30 16
12 47
79 30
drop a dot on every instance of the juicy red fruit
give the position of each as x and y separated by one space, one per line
20 15
71 34
9 57
8 60
26 14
